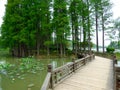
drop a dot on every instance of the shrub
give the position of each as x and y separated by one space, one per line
110 49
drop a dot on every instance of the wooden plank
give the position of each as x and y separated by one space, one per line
97 75
46 82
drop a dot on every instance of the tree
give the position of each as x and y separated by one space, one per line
25 24
105 17
96 20
75 10
80 22
96 8
114 44
117 28
61 24
29 26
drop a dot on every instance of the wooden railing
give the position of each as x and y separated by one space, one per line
57 75
116 77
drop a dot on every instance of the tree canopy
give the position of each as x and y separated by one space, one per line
30 27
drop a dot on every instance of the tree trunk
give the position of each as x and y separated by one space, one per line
73 32
48 51
88 23
76 41
38 48
96 19
61 50
103 31
84 33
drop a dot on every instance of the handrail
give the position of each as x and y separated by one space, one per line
46 82
116 78
59 74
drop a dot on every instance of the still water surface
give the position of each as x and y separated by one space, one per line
26 79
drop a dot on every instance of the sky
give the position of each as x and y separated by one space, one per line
115 10
2 10
116 14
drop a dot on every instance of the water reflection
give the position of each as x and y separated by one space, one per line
54 64
0 88
0 82
2 65
2 62
14 79
118 63
58 62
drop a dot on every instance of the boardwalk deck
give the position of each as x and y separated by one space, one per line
96 75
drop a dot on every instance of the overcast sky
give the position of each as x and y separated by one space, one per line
115 9
2 9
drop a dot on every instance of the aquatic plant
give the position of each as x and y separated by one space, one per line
26 65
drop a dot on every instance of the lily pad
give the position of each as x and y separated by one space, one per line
31 85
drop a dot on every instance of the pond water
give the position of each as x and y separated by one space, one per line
22 84
17 79
118 63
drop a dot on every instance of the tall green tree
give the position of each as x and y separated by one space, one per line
25 24
61 24
11 27
117 29
96 9
74 16
28 26
43 34
80 22
105 18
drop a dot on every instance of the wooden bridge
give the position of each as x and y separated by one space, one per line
89 73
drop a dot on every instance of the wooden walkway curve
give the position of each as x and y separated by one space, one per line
96 75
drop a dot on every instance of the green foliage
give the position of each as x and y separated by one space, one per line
116 29
86 44
29 65
110 49
48 43
61 23
117 55
29 25
69 52
115 44
25 24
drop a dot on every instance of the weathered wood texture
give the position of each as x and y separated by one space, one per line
61 73
46 82
96 75
117 77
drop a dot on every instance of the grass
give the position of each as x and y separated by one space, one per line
118 56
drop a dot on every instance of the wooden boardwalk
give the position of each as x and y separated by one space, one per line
96 75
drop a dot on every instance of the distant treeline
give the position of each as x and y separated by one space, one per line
31 27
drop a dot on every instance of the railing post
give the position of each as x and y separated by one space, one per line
55 77
73 60
84 61
91 57
115 72
50 68
114 76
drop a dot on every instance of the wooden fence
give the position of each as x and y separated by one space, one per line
116 77
59 74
